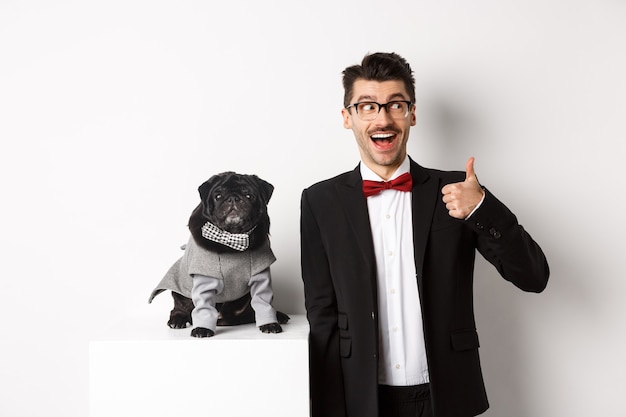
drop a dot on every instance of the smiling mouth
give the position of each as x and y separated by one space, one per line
383 140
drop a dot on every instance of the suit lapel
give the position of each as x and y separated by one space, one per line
424 198
355 206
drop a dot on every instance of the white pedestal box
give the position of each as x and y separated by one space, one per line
143 368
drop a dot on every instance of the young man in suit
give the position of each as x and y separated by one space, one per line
388 255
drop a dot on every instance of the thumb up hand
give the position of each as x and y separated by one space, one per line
461 198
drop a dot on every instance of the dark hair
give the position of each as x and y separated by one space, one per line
379 66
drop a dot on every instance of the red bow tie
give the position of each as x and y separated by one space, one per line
403 183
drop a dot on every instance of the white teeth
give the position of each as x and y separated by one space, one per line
382 136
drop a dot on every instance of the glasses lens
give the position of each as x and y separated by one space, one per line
398 109
367 110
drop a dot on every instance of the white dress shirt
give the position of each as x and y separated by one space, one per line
402 354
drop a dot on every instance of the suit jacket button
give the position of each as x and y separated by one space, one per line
495 233
373 316
479 226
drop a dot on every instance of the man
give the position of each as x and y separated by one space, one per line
388 272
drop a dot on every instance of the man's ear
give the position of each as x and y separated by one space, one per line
347 118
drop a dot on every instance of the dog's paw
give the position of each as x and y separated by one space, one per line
282 317
202 332
178 321
271 328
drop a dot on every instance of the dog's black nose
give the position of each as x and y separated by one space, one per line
233 199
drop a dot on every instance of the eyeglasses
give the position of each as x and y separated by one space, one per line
368 110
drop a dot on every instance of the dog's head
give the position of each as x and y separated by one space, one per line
235 203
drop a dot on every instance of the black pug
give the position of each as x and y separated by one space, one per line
223 277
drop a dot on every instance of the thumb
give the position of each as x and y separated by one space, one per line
469 170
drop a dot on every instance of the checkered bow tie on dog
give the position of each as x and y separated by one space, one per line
237 241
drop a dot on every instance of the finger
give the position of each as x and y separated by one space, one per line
454 212
469 169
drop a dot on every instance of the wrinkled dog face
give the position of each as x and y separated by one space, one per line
235 202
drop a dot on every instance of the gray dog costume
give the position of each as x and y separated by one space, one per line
208 277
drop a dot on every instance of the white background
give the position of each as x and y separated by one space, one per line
113 112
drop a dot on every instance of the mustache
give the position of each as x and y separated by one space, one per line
386 129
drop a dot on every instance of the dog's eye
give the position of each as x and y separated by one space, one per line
218 196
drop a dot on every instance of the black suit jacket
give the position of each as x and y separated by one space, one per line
339 274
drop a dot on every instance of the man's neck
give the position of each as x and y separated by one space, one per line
386 172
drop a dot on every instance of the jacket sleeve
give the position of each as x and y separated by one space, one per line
326 377
506 245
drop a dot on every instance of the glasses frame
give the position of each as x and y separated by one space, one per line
380 107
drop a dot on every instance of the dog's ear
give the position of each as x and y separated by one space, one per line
265 188
207 186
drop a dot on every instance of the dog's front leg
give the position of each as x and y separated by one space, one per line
204 314
262 295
